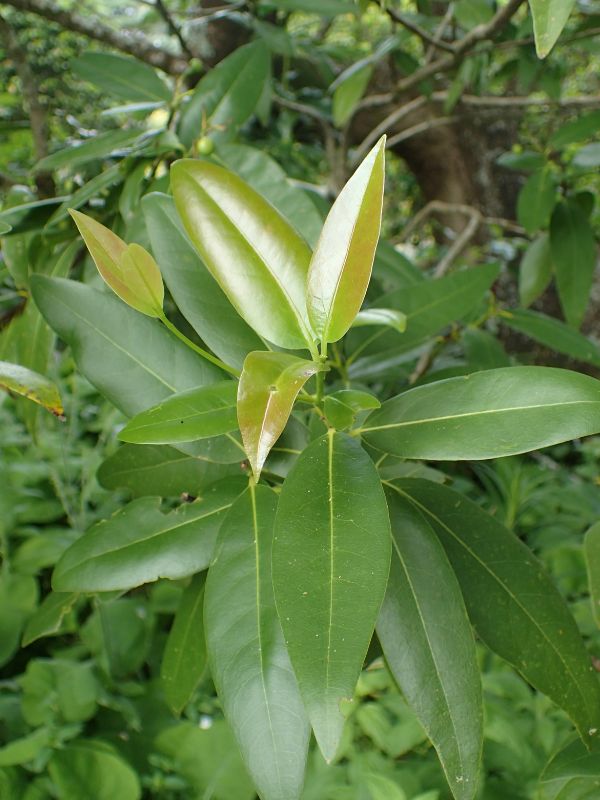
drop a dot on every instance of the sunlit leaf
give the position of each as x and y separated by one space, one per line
27 383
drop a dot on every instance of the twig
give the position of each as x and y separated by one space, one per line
440 31
411 26
173 27
421 127
392 118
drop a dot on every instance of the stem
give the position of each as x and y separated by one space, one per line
321 376
201 352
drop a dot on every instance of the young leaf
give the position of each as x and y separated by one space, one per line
574 255
129 270
32 385
514 606
535 272
269 385
434 664
140 544
341 265
184 657
591 545
549 18
248 659
498 412
186 416
388 317
331 559
254 254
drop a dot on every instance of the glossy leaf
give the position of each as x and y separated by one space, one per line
27 383
197 294
549 18
342 407
184 658
434 663
227 95
128 269
331 557
98 147
341 265
574 255
134 361
186 416
258 259
514 606
121 76
553 333
535 272
498 412
140 544
536 200
572 774
248 658
591 544
159 470
387 317
268 387
48 618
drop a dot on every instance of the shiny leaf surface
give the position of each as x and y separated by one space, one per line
387 317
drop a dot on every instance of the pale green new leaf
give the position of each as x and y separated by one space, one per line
591 545
489 414
27 383
248 658
268 387
331 558
549 18
387 317
341 265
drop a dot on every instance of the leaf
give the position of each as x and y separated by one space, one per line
553 333
186 416
99 147
498 412
574 255
140 544
32 385
324 8
483 350
341 265
48 618
549 18
248 658
147 470
227 95
342 407
121 76
128 269
348 93
388 317
588 157
269 385
27 217
572 774
25 749
536 268
135 362
331 556
591 545
525 161
89 768
184 658
197 294
96 186
434 664
514 606
576 130
258 259
536 200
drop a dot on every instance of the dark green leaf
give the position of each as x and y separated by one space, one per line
96 186
331 556
92 769
348 93
248 658
553 333
591 545
49 616
576 130
121 76
549 18
483 350
535 272
526 161
536 200
572 774
99 147
324 8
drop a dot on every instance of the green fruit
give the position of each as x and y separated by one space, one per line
205 146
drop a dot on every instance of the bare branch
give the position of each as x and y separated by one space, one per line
132 43
411 26
441 29
173 27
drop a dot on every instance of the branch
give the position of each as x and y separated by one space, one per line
173 27
441 29
411 26
130 42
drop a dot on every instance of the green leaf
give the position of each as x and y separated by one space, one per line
348 93
471 13
576 130
93 188
140 544
572 774
514 606
147 470
29 216
483 350
324 8
553 333
536 200
5 228
227 95
248 658
258 259
588 157
197 294
342 407
134 361
525 161
591 545
574 255
32 385
331 556
121 76
536 268
435 665
498 412
18 599
341 265
99 147
269 385
25 749
128 269
186 416
549 18
184 657
92 769
48 618
392 270
388 317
